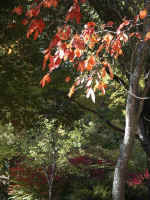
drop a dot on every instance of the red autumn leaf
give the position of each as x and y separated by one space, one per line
36 34
57 61
49 3
45 79
90 63
36 11
18 10
81 66
93 40
71 56
46 57
78 42
91 24
110 23
67 79
33 12
36 25
25 22
74 13
64 33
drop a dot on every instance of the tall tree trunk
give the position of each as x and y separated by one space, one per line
134 107
118 192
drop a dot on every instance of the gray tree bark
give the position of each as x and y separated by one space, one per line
134 108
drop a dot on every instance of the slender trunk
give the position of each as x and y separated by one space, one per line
134 107
50 179
118 191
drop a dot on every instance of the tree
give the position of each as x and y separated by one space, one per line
93 71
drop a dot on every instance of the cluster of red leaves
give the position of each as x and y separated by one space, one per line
25 176
86 160
66 46
34 179
137 179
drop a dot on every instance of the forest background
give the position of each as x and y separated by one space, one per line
56 147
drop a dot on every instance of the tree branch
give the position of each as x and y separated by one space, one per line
100 116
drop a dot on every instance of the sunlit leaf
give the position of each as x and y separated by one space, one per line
143 13
45 79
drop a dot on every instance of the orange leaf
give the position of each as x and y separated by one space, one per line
55 2
36 34
89 67
106 64
91 60
90 63
81 66
45 79
46 57
101 86
49 3
143 13
18 10
93 40
67 79
77 52
91 24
